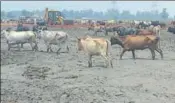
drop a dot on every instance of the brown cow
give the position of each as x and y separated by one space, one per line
138 42
145 32
95 46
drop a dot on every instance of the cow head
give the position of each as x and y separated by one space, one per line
116 40
79 44
4 33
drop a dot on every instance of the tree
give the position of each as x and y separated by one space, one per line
112 14
26 13
10 14
3 14
125 14
164 14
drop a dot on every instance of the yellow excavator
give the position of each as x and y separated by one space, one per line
53 17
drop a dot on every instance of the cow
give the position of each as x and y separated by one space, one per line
95 46
143 25
150 28
123 31
156 30
58 38
20 27
155 23
145 32
162 25
108 29
37 28
138 42
171 29
101 22
96 28
22 37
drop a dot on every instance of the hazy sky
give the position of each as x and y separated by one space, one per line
133 6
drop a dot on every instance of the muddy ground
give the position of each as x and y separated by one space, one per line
41 77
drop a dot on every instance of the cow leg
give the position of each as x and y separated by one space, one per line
47 45
160 52
47 48
153 54
67 48
124 50
50 49
95 33
36 46
58 51
9 47
90 61
108 61
19 47
106 33
133 54
59 48
31 44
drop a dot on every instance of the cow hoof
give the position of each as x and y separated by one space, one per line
106 66
89 66
68 49
58 53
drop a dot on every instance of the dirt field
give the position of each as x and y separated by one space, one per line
41 77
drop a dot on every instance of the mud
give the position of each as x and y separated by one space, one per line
41 77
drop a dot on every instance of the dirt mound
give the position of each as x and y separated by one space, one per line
36 72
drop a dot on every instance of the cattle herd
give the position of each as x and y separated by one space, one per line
132 36
139 35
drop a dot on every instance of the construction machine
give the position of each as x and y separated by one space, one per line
53 17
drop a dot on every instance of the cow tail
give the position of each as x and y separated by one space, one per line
108 51
67 37
67 41
159 39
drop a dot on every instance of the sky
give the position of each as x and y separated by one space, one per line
132 6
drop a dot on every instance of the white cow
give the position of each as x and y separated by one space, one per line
58 38
156 29
136 22
20 37
151 27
